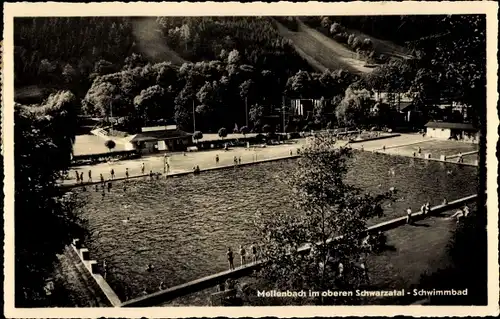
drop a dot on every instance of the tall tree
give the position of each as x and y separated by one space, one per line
150 104
354 109
326 207
45 217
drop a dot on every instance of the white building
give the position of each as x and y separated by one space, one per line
447 130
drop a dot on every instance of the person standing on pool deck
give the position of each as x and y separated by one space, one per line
408 216
243 254
466 210
423 209
112 174
81 177
230 258
253 248
143 168
104 268
102 179
126 172
216 159
77 176
239 160
90 176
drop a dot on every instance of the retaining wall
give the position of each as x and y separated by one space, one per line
374 138
92 267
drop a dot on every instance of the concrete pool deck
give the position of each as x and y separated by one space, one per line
402 145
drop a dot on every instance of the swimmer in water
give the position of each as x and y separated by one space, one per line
149 267
163 286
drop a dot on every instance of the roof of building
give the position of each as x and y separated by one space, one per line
159 135
405 106
449 125
158 128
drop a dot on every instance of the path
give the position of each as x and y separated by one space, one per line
322 52
403 145
183 163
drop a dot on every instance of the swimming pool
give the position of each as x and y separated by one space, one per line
183 226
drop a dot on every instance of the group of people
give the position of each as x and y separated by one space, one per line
252 255
425 209
461 213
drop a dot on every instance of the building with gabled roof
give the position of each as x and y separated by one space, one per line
160 138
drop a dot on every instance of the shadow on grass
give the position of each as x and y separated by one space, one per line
468 251
420 225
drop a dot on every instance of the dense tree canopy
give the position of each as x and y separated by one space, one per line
45 220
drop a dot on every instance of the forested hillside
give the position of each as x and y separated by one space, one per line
68 53
217 68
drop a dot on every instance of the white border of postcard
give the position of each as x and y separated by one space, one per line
12 10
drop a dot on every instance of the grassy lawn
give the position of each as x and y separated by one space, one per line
91 144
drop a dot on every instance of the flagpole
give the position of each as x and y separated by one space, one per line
283 98
194 119
246 110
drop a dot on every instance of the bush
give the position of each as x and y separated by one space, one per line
110 144
244 130
367 44
341 37
356 43
350 39
325 22
336 28
222 132
266 128
197 135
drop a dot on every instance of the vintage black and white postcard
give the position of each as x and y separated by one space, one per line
279 159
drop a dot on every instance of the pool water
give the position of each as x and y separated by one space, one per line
183 225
